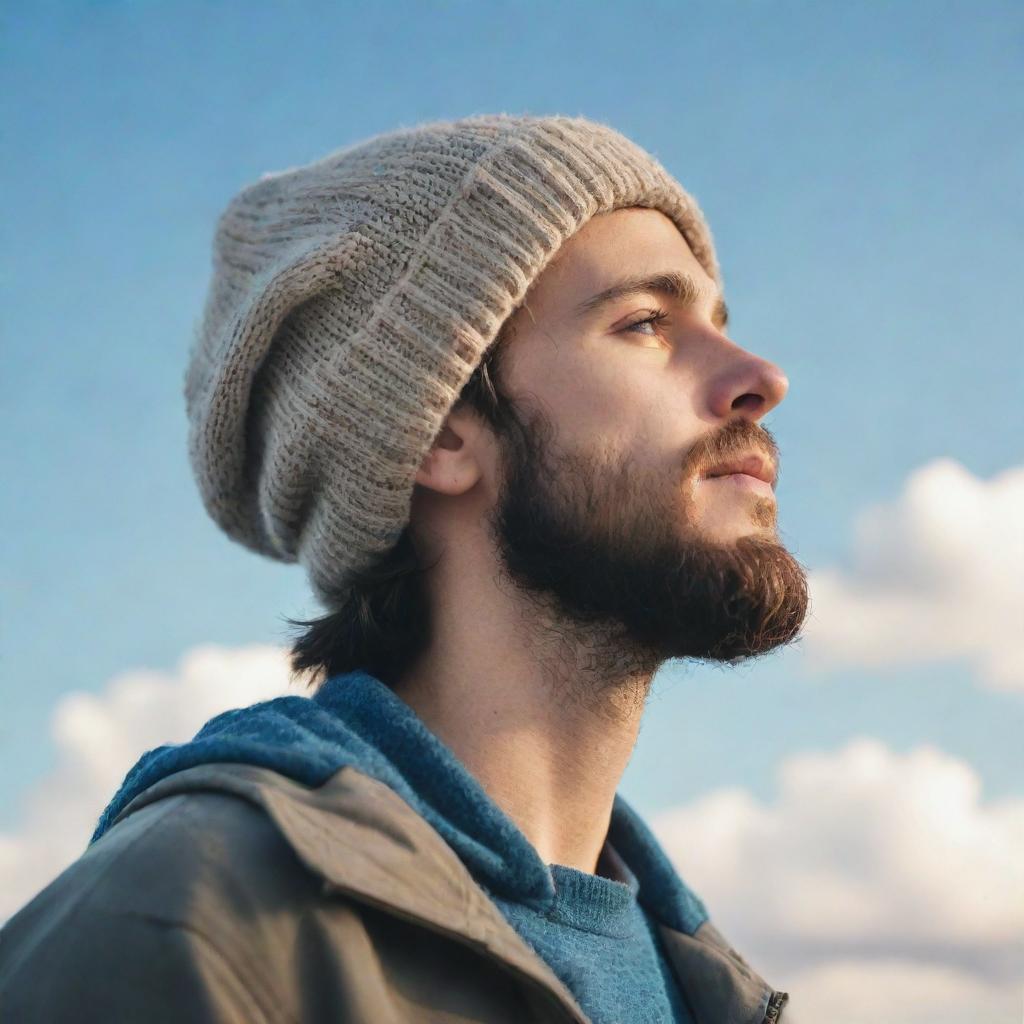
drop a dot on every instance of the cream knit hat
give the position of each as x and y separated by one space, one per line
353 297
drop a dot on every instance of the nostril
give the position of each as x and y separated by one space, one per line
748 402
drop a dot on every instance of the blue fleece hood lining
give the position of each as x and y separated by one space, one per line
356 720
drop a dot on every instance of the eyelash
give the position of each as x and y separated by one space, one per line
657 318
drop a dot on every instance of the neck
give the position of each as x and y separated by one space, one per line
543 712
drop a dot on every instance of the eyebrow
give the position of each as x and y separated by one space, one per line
671 283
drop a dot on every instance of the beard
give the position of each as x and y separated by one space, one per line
615 551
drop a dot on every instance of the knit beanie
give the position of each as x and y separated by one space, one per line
352 298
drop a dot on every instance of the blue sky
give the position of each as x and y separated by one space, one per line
860 166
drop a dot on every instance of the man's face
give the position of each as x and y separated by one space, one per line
603 506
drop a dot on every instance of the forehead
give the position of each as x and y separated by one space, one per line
631 240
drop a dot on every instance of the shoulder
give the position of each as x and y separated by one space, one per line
170 902
179 857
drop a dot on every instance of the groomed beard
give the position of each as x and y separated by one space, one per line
608 551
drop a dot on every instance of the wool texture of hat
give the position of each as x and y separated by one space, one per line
353 297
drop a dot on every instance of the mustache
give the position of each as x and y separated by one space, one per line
738 437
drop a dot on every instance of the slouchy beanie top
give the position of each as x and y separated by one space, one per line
352 298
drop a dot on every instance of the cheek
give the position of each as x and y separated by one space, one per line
630 403
598 407
628 415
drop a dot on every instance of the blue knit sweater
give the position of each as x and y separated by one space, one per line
598 934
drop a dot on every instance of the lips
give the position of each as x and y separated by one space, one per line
758 466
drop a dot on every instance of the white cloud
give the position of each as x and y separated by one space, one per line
877 887
937 574
900 992
99 737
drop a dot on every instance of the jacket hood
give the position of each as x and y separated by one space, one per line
355 720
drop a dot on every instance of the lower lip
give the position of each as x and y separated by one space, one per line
745 482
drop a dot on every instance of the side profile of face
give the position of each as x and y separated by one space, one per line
598 502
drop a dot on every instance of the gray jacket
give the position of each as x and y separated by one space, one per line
231 893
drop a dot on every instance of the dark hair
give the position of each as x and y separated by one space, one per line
383 621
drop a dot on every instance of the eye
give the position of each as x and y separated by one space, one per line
656 319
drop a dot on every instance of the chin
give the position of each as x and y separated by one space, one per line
763 525
756 519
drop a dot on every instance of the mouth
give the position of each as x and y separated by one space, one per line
758 467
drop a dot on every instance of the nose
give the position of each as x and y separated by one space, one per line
748 385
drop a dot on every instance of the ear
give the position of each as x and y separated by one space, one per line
453 464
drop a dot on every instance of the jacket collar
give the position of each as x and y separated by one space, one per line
720 985
363 839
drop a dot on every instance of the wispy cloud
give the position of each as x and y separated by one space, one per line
935 575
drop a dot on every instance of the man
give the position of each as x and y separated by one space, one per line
475 377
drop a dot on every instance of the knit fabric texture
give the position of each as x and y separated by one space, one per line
597 933
353 297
